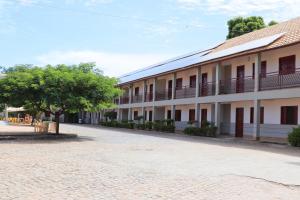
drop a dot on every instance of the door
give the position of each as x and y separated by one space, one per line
170 85
203 117
239 122
169 114
151 92
204 86
179 83
287 65
240 76
192 115
150 116
193 80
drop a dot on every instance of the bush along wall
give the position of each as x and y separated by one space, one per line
207 130
158 125
294 137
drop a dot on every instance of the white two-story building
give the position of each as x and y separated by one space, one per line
247 86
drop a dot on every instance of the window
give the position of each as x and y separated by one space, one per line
193 80
179 83
136 91
287 65
289 115
262 115
263 69
178 115
192 115
169 114
135 115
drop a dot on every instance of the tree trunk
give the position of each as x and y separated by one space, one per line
57 122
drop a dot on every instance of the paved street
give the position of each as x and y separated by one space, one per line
110 164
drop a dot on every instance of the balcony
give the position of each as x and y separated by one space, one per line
276 80
137 99
124 100
207 89
185 92
232 86
163 95
149 97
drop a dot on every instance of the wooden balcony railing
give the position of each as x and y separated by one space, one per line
276 80
185 92
162 95
137 99
208 89
232 86
124 100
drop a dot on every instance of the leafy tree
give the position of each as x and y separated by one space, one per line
272 23
57 89
239 26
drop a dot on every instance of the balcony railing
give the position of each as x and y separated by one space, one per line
275 80
232 86
137 99
208 89
149 97
124 100
185 92
162 95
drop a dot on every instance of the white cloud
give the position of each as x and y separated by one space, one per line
278 9
112 64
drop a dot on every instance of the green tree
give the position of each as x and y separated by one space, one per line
239 26
272 23
57 89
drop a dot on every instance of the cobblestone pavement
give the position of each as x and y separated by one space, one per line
113 164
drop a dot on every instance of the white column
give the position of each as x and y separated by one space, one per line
256 120
174 85
153 114
129 114
154 90
130 94
218 117
143 114
118 114
218 78
198 81
257 71
173 109
197 114
144 90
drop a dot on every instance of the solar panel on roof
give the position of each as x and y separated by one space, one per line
195 58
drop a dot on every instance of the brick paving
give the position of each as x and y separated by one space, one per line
114 164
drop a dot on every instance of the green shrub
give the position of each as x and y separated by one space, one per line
294 137
148 126
207 130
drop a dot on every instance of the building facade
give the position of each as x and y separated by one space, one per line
248 86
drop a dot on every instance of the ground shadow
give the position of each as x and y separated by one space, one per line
225 142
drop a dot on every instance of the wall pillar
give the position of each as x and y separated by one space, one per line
154 89
256 122
218 117
143 114
153 114
130 94
257 72
218 78
198 81
174 85
197 114
129 114
173 109
144 90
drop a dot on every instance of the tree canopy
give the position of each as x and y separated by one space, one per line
239 25
57 89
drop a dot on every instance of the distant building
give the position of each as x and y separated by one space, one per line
248 85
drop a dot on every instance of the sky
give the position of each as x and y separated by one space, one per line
121 35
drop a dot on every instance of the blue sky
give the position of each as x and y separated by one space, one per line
120 36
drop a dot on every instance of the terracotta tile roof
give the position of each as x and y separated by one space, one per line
291 29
